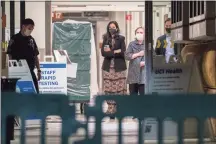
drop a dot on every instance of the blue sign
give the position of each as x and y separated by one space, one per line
53 78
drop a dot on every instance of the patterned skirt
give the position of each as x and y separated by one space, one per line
114 83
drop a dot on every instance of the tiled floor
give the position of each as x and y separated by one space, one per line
109 133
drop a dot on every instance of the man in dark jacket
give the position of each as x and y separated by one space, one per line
165 46
23 46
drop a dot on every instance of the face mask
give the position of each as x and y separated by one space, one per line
28 32
112 31
168 30
139 36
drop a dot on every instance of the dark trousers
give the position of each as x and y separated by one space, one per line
136 89
34 78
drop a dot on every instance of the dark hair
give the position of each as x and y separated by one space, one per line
138 28
168 19
107 34
28 21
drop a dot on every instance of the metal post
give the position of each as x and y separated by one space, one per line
148 43
12 18
22 12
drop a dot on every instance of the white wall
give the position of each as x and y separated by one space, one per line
101 29
36 11
17 14
119 17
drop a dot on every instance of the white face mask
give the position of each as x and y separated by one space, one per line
139 36
28 32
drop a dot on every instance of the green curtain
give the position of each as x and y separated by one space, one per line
75 39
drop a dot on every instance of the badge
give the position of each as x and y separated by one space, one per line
31 43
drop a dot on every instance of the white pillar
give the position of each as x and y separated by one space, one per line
128 29
1 43
48 26
0 53
17 16
36 11
135 23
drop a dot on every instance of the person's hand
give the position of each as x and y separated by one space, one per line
141 53
107 49
117 51
135 55
175 59
142 64
39 76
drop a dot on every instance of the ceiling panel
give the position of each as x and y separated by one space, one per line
129 3
95 8
102 6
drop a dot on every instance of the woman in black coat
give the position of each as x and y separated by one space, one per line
114 65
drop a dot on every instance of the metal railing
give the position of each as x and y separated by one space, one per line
177 107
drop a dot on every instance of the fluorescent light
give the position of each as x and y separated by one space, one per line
98 5
71 5
96 8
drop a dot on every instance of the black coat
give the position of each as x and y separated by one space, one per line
119 59
160 48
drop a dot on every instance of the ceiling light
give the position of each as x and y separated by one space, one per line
54 6
98 5
71 5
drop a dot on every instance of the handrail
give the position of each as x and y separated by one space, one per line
177 107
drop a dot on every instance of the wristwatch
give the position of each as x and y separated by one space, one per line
39 71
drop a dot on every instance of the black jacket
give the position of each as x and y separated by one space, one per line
23 47
160 46
119 59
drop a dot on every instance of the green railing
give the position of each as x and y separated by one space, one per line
177 107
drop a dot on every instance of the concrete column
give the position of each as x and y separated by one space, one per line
36 11
48 24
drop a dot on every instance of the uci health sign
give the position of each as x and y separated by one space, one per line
53 78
